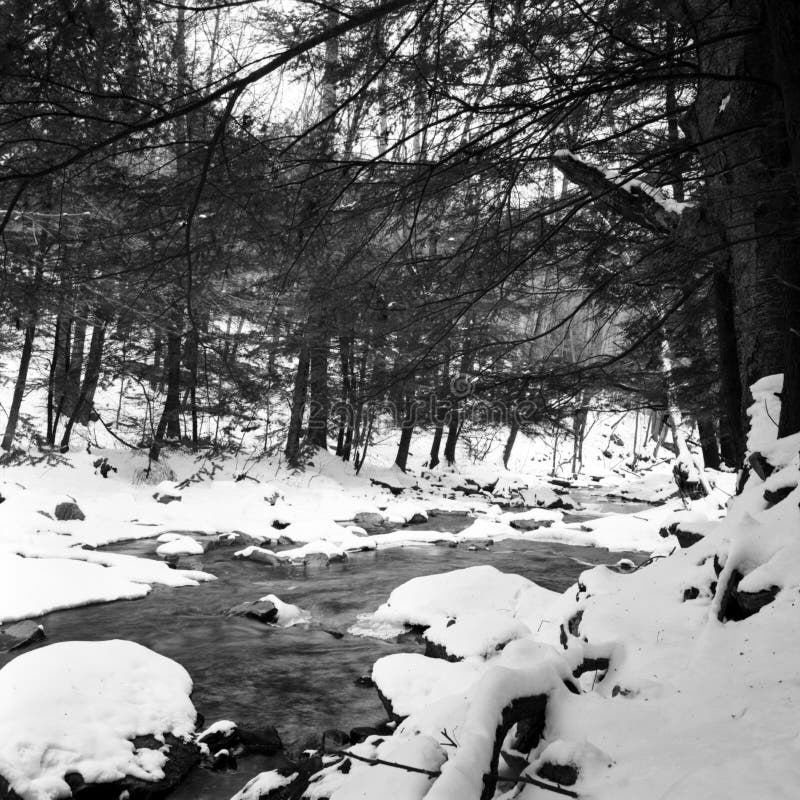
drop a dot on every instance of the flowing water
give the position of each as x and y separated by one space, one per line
300 679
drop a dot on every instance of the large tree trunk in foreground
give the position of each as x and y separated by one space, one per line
737 126
783 18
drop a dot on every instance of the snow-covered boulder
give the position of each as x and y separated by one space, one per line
430 599
112 713
173 544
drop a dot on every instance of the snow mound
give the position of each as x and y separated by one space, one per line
74 706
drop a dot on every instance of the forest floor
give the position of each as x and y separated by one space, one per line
675 680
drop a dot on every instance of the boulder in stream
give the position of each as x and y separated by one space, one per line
369 519
20 635
262 610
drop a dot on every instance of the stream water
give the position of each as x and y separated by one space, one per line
300 679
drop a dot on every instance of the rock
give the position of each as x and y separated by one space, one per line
240 538
369 519
221 735
530 524
685 538
262 739
776 495
255 553
304 769
285 540
68 511
361 732
562 774
261 610
760 465
417 519
167 497
181 757
334 740
737 605
20 634
365 681
393 489
280 524
223 761
102 465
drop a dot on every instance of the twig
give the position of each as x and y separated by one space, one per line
431 773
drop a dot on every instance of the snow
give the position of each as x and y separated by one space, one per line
411 681
74 706
478 634
263 784
764 413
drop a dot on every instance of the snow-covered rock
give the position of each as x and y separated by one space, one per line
77 707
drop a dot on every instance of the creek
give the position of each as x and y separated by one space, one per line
301 679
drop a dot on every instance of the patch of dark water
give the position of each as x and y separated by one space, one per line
300 679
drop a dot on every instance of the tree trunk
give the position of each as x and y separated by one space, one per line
190 360
737 127
19 388
172 404
72 383
407 430
58 375
319 351
708 441
85 404
346 410
299 395
731 424
92 375
454 422
512 437
783 19
156 377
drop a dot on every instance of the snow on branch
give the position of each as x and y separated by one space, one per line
631 198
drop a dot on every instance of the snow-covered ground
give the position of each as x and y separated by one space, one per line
691 703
